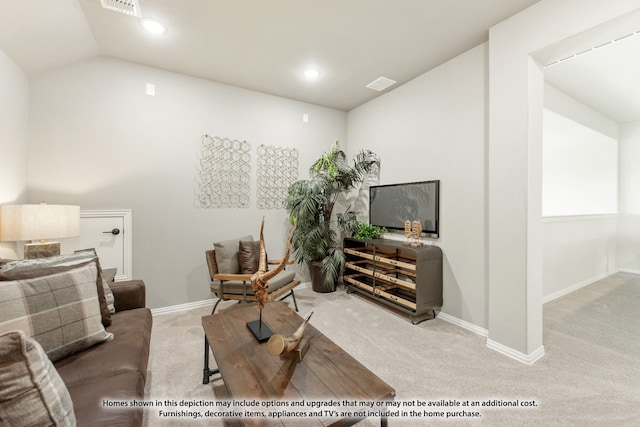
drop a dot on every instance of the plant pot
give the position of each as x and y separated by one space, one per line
317 278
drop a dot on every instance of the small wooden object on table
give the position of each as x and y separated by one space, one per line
326 372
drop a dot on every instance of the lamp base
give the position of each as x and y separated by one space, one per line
41 250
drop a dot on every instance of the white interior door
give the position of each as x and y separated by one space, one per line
109 232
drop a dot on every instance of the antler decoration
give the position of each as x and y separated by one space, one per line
260 278
279 344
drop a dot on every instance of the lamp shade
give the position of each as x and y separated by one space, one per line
38 222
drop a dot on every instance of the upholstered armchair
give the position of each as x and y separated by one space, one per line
231 265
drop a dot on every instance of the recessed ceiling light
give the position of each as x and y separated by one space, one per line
153 26
311 73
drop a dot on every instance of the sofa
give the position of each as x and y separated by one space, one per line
102 371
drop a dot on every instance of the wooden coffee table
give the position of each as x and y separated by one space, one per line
326 373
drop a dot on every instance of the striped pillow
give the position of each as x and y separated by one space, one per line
32 392
60 311
27 268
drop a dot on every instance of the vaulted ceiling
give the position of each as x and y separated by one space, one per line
263 45
266 45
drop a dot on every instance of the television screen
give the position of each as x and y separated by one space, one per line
391 205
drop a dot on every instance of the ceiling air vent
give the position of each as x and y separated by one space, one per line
381 83
128 7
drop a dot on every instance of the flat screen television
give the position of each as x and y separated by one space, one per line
391 205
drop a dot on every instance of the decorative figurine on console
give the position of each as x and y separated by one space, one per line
416 230
260 283
294 346
407 232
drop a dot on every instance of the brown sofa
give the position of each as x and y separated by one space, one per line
101 355
114 370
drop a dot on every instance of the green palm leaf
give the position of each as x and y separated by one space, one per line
310 205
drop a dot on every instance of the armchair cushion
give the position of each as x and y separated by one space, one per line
237 287
227 255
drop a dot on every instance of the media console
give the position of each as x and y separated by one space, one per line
405 277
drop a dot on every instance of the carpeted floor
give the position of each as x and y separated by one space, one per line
589 376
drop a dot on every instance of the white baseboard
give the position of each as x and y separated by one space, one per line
528 359
464 324
202 303
576 286
625 270
182 307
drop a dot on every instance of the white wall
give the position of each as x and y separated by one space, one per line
515 137
629 222
434 127
579 169
14 97
114 147
578 250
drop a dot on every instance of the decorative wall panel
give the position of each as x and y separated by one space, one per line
277 169
224 175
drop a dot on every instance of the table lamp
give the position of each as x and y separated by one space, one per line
39 222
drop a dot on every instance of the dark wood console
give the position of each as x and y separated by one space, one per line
405 277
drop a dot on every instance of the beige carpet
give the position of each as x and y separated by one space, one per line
589 376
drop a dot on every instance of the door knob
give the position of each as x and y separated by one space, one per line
115 232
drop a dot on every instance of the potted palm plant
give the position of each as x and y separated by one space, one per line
316 237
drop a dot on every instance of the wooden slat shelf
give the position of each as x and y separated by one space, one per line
396 281
402 301
386 275
385 291
408 278
385 259
357 267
